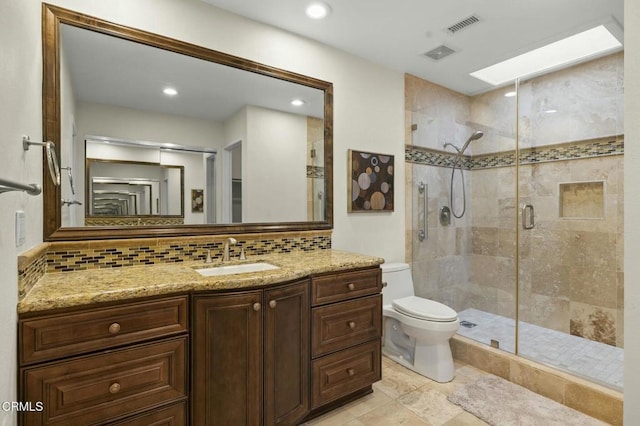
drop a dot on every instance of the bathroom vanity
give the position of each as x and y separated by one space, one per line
272 347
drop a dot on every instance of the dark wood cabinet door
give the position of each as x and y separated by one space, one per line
227 359
287 358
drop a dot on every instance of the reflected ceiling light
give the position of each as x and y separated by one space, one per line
170 91
509 94
560 53
550 111
318 10
297 102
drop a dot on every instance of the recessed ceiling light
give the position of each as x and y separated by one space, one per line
560 53
510 94
297 102
170 91
318 10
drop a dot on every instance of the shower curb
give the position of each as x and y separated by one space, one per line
589 398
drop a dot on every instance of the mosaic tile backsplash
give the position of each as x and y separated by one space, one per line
567 151
76 256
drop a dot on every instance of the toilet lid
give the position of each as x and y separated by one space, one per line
426 309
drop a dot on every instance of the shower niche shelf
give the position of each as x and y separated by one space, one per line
582 200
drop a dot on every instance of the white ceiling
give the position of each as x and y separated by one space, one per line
112 71
397 33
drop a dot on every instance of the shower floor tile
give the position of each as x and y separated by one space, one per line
593 360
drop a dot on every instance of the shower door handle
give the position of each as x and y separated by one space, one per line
528 213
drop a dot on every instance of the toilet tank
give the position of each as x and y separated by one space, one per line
399 282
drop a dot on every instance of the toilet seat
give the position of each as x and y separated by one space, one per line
424 309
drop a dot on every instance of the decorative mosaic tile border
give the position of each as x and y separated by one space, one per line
315 172
434 157
132 221
567 151
76 256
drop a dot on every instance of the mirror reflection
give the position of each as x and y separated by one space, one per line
156 135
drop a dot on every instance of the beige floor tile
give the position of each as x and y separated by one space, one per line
367 403
430 405
465 419
392 413
396 382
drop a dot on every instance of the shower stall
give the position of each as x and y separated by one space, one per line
522 220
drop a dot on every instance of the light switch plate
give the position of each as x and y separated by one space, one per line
21 219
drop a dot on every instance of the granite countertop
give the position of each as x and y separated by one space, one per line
68 289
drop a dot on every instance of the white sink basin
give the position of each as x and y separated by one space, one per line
236 269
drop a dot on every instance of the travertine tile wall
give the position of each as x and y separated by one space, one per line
571 275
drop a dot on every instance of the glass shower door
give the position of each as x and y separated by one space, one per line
570 220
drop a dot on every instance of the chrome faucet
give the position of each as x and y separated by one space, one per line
225 252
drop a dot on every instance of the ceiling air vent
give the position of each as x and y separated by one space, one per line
463 24
439 52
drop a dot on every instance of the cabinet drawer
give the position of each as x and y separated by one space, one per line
57 336
341 325
97 388
345 285
344 372
175 415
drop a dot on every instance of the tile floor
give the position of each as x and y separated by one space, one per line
405 398
592 360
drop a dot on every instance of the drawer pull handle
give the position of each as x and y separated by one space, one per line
351 286
114 388
352 324
114 328
256 306
351 371
272 303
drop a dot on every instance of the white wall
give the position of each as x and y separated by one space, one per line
20 114
631 211
70 213
274 182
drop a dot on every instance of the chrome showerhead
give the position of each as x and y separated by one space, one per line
474 137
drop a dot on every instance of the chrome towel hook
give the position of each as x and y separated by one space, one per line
52 159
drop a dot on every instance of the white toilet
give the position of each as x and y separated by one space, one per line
416 330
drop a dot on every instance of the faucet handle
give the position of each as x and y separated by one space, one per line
208 259
243 255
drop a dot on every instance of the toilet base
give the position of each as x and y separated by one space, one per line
435 362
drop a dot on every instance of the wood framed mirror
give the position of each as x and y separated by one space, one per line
280 189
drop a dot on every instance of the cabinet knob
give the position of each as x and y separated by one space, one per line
114 328
384 284
256 306
352 324
351 286
351 371
114 388
272 303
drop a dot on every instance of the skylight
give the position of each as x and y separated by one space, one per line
562 52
